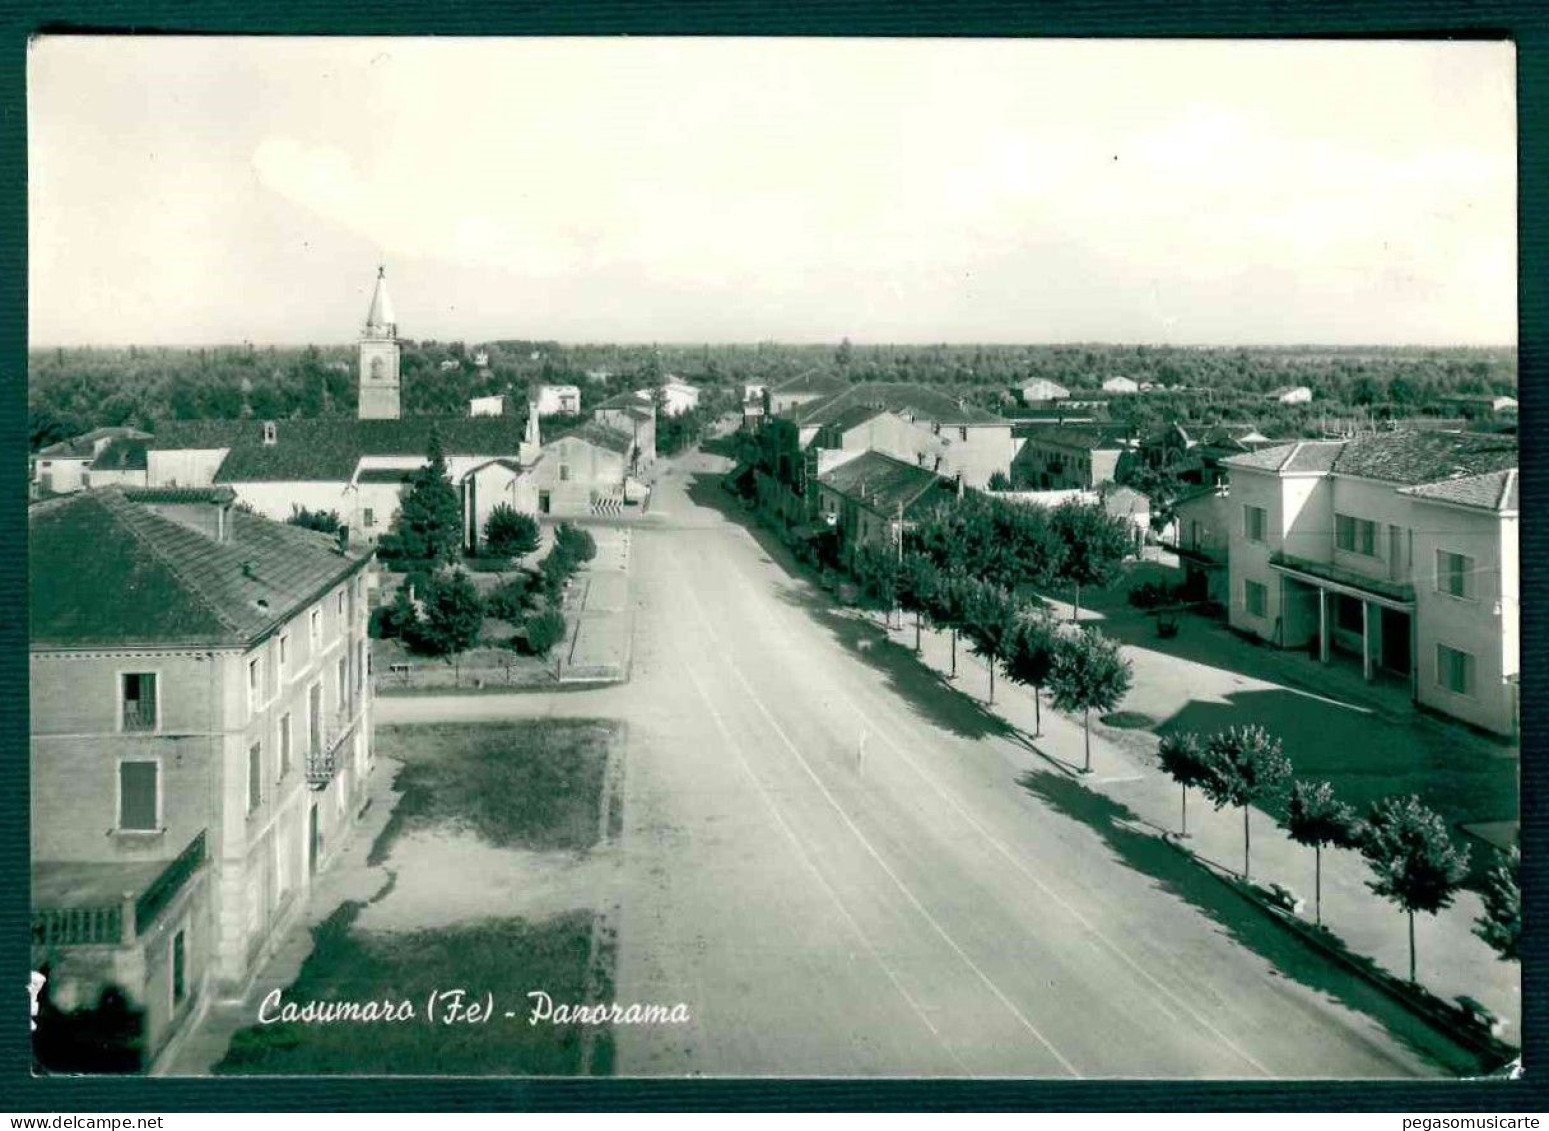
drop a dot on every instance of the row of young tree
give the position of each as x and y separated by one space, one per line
1414 862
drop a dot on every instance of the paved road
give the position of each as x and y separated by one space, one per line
831 862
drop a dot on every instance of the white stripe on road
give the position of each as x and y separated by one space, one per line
903 888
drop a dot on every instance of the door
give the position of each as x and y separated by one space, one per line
1395 554
1395 642
543 502
314 841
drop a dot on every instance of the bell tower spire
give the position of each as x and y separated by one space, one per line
379 355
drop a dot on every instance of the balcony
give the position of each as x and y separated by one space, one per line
90 904
326 758
1326 575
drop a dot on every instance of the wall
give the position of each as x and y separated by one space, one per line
490 487
64 475
590 470
183 467
277 500
988 448
1250 560
379 382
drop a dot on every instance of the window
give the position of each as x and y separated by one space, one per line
963 434
564 472
284 658
344 682
341 605
255 696
1355 535
1255 521
179 968
255 775
1455 574
1256 597
315 718
285 741
1455 670
139 701
316 630
139 796
369 518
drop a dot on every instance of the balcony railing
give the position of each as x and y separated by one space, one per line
121 923
324 761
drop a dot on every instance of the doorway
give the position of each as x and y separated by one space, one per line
314 840
1396 656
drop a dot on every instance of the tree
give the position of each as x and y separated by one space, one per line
989 620
429 522
1501 923
453 614
948 607
876 571
398 620
1184 760
545 628
575 543
1095 543
328 522
999 481
1415 862
1088 674
1247 767
1315 817
509 533
510 599
1029 657
918 580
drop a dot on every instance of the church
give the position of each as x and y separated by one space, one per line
358 468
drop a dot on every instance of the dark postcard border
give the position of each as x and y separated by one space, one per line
1525 22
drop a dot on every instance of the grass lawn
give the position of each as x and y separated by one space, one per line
504 957
534 784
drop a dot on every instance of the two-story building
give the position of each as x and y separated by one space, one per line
872 498
1068 457
1398 549
200 741
63 467
553 400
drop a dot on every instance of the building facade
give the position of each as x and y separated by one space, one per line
200 741
1396 550
379 357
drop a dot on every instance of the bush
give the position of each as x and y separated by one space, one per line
510 533
556 570
511 600
544 630
576 543
326 522
487 565
396 621
453 615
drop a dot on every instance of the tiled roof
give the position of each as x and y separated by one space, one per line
1081 437
1492 491
1411 458
919 401
384 475
812 381
854 417
217 496
123 454
599 435
150 580
882 482
1303 456
329 449
80 447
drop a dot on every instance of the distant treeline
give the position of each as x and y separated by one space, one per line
74 390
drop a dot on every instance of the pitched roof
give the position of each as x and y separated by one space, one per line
123 454
380 319
1077 436
882 482
905 398
80 447
598 435
854 417
330 449
1410 457
1285 459
1492 491
150 580
811 381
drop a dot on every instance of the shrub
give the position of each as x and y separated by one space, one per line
397 620
453 615
545 629
486 564
555 570
511 599
510 533
327 522
577 544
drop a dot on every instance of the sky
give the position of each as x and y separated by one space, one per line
209 190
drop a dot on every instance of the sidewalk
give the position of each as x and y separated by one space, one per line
598 646
347 877
1450 959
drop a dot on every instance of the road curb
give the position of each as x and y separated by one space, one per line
1445 1018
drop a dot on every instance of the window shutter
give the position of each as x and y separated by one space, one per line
137 795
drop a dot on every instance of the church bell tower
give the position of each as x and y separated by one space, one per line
379 356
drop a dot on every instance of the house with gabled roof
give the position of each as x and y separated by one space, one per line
1069 456
1398 550
65 466
872 498
200 732
810 385
974 444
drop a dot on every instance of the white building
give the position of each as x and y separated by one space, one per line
1120 385
677 396
1398 549
555 400
487 406
1292 394
1042 392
